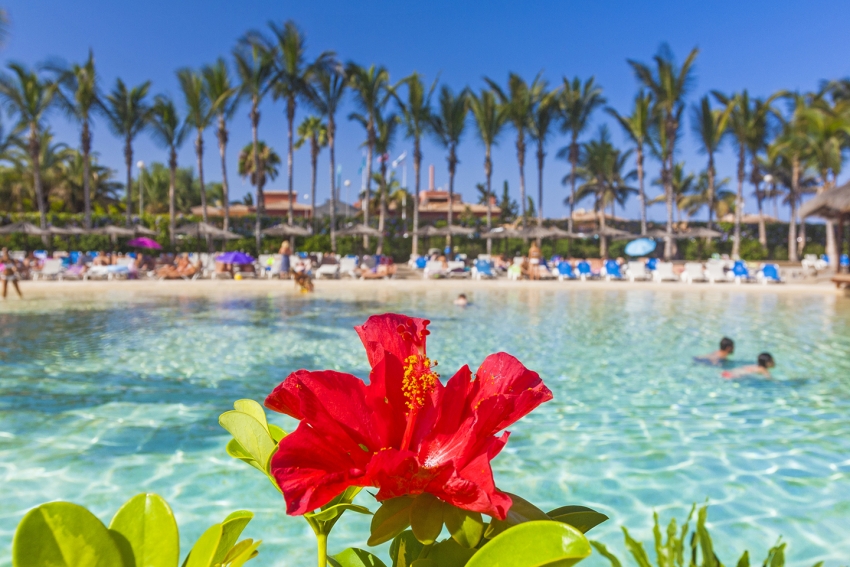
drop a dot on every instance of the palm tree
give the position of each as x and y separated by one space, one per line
315 131
490 118
325 94
710 126
385 128
416 116
683 186
255 67
577 103
448 124
636 127
78 95
29 96
291 82
756 145
712 194
258 157
199 115
127 113
169 132
668 84
543 115
224 100
371 89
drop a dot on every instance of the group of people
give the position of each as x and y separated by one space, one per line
762 367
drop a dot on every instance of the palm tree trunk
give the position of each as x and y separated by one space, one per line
831 248
128 161
382 214
520 152
369 149
331 133
290 118
314 162
603 240
762 227
255 123
85 142
739 205
642 194
452 162
417 164
711 175
225 188
199 150
792 224
488 172
36 179
668 197
541 155
172 183
801 244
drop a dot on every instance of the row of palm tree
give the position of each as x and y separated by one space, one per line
780 148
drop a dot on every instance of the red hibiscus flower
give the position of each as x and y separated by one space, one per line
405 432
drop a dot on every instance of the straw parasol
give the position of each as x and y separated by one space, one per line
287 230
23 228
114 231
502 232
144 231
613 233
831 204
359 230
703 232
455 230
200 229
67 230
555 232
661 234
428 230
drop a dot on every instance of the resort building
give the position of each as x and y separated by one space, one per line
276 205
434 204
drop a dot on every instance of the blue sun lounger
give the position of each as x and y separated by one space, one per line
769 273
740 271
584 270
565 271
612 270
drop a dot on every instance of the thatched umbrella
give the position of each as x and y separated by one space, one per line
612 232
67 230
502 232
454 230
359 230
288 230
23 228
115 231
202 229
658 233
833 204
144 231
427 231
702 232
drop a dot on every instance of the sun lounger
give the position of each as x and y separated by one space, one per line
52 268
565 271
769 273
612 271
457 269
584 271
715 272
546 273
348 266
664 273
434 269
636 270
740 272
694 272
482 269
328 270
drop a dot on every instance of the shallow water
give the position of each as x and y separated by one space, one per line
100 401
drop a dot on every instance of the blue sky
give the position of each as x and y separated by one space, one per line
760 45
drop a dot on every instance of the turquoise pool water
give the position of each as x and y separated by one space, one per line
102 400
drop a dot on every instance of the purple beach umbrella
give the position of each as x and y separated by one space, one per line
144 243
235 258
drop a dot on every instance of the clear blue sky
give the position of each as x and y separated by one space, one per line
759 45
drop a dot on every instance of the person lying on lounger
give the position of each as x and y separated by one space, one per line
761 368
727 347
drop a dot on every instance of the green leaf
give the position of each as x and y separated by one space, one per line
466 527
581 518
237 451
352 557
449 553
636 549
251 434
404 549
334 511
254 409
203 552
744 561
603 551
148 524
534 544
521 511
124 548
426 518
62 534
276 432
243 552
390 520
231 529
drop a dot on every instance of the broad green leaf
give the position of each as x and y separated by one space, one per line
775 556
744 561
245 553
404 549
534 544
254 409
466 527
149 526
334 511
521 511
581 518
636 549
276 432
203 552
62 534
352 557
124 548
603 551
390 519
250 433
449 553
237 451
231 529
426 518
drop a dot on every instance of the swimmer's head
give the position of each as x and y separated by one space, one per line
727 345
765 360
462 296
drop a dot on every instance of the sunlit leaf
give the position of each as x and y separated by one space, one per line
466 527
254 409
534 544
250 433
390 519
334 511
352 557
148 524
204 550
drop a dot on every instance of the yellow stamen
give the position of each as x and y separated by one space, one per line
419 380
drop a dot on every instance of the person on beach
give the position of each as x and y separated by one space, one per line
285 252
762 368
534 256
9 273
727 347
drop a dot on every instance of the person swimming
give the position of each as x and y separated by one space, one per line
727 347
762 368
461 300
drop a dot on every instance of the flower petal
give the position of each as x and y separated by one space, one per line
399 335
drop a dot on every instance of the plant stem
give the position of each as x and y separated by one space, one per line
322 544
425 550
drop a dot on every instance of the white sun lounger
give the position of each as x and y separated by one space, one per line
693 273
348 266
433 269
715 272
664 272
636 270
52 268
327 270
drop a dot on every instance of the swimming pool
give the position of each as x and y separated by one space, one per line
102 400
